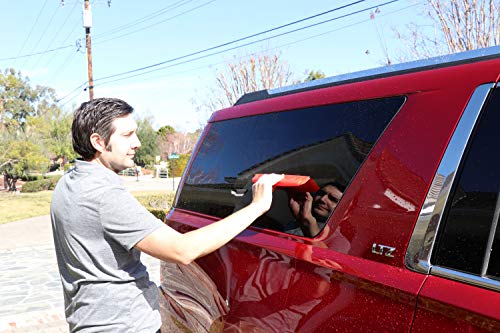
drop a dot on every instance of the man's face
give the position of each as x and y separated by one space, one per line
120 151
326 200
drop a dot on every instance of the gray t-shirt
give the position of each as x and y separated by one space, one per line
96 223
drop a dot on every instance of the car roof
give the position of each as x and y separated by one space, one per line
375 73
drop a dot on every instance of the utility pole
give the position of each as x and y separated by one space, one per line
87 23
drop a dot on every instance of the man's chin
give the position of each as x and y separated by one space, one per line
129 163
119 168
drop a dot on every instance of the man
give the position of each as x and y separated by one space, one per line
99 228
311 212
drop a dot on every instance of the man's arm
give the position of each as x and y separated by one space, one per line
167 244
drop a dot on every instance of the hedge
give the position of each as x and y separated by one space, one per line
159 213
40 185
157 204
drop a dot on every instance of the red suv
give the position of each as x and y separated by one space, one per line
406 163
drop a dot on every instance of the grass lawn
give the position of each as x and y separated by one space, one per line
21 206
18 206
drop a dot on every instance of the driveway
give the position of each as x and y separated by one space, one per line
30 289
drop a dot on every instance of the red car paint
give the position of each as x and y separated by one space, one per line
343 280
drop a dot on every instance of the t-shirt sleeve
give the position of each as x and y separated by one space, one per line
124 219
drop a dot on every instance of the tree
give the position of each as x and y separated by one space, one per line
53 130
236 78
172 141
314 75
19 155
18 100
30 125
165 130
179 164
458 25
149 142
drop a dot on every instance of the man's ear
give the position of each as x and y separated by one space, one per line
97 142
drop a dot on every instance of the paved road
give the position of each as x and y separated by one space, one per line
31 297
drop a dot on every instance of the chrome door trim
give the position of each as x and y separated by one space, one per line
476 280
422 241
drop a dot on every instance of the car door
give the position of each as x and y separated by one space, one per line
462 293
257 273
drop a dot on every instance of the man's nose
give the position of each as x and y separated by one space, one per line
136 143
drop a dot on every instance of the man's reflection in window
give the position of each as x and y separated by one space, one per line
311 211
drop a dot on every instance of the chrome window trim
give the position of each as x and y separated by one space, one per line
476 280
439 61
422 241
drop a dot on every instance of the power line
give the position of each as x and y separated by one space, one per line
144 18
274 48
57 34
239 40
235 47
72 92
232 42
100 35
220 62
152 25
31 31
45 30
62 68
37 53
76 44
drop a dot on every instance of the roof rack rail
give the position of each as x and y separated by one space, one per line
375 73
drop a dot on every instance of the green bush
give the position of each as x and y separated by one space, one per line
156 201
40 185
159 213
30 178
53 181
157 204
35 186
179 164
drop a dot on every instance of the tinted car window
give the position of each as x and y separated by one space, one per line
469 226
327 143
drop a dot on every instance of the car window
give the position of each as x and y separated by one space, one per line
327 143
468 241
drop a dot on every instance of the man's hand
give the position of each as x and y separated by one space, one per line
301 207
262 191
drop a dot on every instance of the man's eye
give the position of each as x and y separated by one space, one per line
332 198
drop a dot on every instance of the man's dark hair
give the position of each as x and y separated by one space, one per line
96 116
341 187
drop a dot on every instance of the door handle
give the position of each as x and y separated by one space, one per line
239 192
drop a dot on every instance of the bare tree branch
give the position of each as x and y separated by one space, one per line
256 72
460 25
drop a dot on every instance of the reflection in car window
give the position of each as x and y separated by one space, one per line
464 241
327 143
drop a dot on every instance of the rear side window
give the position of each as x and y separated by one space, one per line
328 143
469 241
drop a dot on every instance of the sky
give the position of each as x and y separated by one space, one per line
45 40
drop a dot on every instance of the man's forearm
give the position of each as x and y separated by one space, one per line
167 244
170 245
217 234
